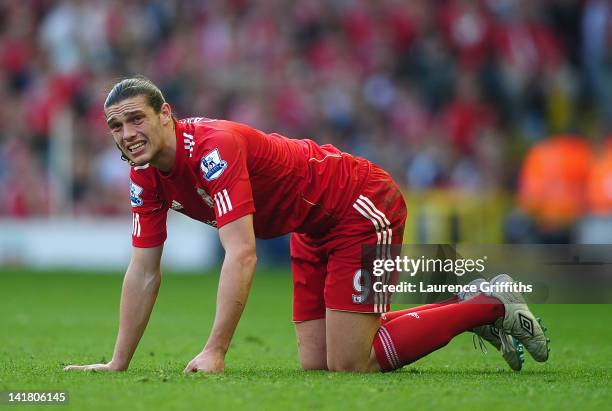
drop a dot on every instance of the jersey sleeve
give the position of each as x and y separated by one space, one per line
149 211
223 168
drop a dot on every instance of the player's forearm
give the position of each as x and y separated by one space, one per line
138 296
234 286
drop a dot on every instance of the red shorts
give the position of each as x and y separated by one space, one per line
327 269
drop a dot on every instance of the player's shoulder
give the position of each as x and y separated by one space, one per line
209 128
193 125
213 144
197 132
205 135
197 127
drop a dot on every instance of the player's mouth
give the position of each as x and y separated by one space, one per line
136 148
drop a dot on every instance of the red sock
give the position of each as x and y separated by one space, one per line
392 315
416 334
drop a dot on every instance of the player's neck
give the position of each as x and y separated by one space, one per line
164 160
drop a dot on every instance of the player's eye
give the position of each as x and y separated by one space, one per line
116 127
138 120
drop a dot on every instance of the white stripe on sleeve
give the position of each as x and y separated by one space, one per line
227 199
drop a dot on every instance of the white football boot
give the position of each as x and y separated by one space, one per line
510 348
519 321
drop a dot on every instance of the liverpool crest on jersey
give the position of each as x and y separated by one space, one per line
212 165
135 193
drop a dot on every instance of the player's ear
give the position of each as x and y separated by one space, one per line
166 113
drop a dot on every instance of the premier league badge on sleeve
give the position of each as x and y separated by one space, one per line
135 193
212 165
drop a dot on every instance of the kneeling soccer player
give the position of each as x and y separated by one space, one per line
250 184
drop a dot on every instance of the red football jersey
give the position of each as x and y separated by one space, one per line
226 170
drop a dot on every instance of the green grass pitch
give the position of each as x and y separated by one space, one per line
53 319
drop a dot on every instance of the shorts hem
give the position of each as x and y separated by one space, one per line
309 319
369 311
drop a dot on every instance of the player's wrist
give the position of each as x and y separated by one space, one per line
215 350
118 365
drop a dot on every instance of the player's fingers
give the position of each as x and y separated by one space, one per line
91 367
75 367
190 368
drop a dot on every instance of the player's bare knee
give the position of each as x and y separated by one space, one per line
313 365
347 365
313 359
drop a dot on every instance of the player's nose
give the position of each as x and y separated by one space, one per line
129 132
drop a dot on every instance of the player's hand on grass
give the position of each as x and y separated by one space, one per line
207 361
108 367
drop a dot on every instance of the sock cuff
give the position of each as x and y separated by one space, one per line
386 354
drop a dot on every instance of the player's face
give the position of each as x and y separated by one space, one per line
136 129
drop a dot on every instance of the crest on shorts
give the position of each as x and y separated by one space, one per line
212 165
135 193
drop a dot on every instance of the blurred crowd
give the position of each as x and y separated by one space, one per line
443 94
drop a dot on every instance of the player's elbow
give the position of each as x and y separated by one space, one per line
153 280
249 257
142 277
246 253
